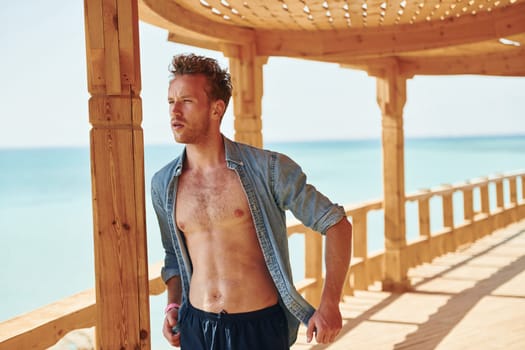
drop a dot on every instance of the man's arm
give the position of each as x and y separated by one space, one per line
327 322
174 289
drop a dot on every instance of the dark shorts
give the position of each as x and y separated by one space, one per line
264 329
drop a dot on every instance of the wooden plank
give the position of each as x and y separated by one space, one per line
43 327
111 47
94 29
128 39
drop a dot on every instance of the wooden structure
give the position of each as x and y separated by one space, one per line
391 40
42 328
469 299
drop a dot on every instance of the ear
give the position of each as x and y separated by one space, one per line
217 109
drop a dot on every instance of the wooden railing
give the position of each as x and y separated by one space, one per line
42 328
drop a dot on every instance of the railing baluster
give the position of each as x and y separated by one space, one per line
499 193
448 211
484 197
313 268
424 214
360 243
468 204
513 197
423 207
522 177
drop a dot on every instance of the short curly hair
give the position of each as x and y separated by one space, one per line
219 80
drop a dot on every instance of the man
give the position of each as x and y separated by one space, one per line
221 210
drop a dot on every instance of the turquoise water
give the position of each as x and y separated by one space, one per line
46 250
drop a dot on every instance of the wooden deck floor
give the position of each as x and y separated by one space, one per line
471 299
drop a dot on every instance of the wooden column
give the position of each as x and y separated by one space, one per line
117 173
246 70
391 97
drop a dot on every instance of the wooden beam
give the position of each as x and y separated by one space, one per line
117 168
43 327
391 97
171 16
195 40
505 63
393 40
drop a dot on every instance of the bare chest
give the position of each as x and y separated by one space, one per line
213 201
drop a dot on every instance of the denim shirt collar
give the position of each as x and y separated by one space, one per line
231 152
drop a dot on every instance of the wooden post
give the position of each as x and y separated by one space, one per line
484 197
513 191
448 210
246 70
468 205
117 174
359 223
424 216
313 267
522 187
424 226
500 203
391 97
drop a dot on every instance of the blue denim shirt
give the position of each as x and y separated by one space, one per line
273 183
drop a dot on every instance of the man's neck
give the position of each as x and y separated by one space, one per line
206 156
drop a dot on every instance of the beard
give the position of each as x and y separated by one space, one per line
194 132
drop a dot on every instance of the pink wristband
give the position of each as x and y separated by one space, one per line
171 307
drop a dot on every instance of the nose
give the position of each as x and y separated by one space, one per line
175 108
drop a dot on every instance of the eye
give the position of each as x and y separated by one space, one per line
187 100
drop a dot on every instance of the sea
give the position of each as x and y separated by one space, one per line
46 230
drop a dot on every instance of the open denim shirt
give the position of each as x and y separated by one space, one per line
273 183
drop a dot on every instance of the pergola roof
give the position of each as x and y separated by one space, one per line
423 36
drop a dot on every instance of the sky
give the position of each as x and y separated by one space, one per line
44 97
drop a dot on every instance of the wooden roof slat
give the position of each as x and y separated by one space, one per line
347 32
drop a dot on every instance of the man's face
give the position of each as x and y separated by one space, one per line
190 108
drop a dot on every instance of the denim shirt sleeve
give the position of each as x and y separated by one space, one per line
171 266
293 192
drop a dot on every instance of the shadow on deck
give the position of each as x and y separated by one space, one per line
473 298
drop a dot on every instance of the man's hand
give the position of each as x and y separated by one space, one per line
169 322
326 323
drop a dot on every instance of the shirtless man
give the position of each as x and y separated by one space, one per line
220 207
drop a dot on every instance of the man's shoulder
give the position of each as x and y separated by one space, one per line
163 176
252 152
